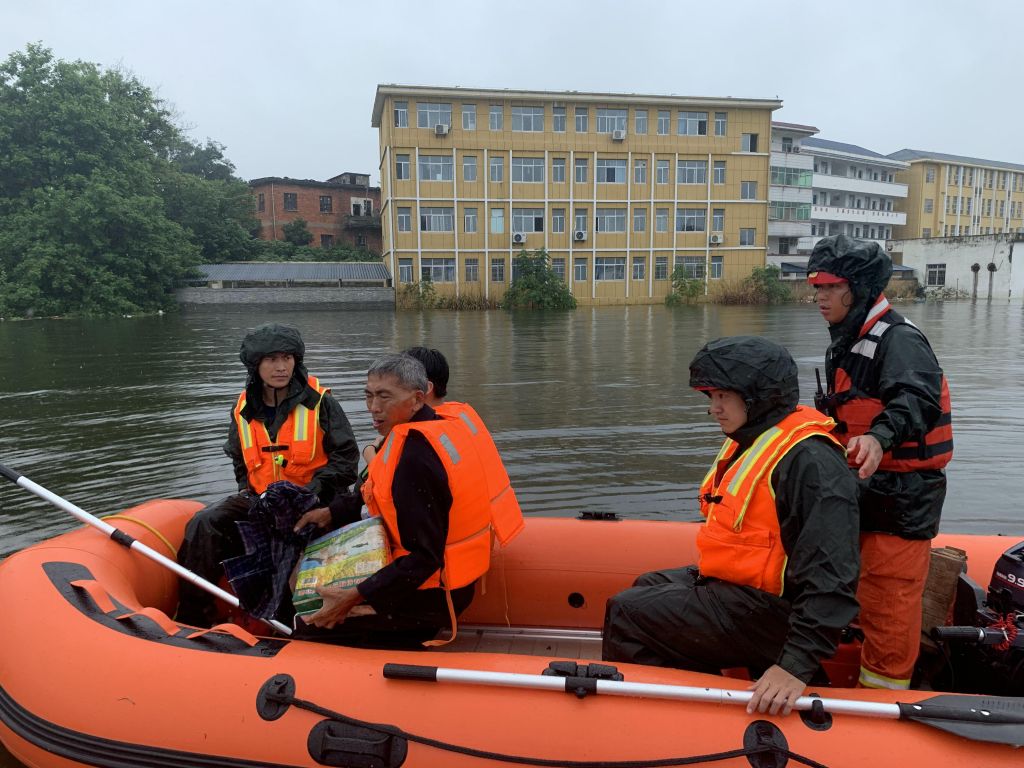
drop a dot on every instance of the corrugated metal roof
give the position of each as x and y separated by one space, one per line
919 154
839 146
306 271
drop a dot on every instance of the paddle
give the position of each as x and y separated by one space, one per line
125 540
983 718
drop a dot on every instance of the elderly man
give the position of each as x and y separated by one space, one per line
891 401
775 580
427 485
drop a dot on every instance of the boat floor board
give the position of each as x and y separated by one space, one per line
526 641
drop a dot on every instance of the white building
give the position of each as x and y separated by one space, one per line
790 195
979 266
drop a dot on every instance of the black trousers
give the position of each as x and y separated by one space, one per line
676 618
210 537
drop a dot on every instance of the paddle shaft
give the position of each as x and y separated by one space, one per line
124 539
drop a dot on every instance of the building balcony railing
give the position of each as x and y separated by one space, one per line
361 222
859 215
860 186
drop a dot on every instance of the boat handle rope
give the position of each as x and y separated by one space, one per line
277 691
129 519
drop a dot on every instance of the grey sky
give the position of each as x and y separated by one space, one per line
288 87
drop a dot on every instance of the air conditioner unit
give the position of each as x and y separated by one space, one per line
579 234
440 129
618 135
518 238
716 238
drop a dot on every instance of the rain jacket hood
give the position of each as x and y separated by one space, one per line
863 264
265 340
759 370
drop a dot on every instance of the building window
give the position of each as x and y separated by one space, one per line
640 122
639 267
496 117
747 236
469 117
580 222
929 175
610 220
528 169
472 270
692 266
326 241
558 119
664 119
936 275
692 172
469 220
787 144
558 219
558 170
929 204
405 270
558 267
360 241
718 219
527 219
609 120
926 232
469 168
405 219
401 167
610 268
748 190
581 170
291 201
402 121
326 204
261 205
716 267
690 219
748 142
661 220
498 169
582 119
639 171
439 219
497 270
662 172
784 211
661 267
719 173
783 246
692 124
611 171
721 123
527 119
497 221
579 269
429 114
790 177
437 270
436 168
639 219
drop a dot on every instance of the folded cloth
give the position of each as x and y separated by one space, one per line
260 576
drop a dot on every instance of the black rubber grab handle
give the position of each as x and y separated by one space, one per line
410 672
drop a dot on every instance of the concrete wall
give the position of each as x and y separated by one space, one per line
959 254
326 297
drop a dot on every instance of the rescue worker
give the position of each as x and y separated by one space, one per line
427 484
777 570
284 426
890 400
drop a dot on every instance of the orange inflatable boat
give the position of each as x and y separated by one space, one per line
93 672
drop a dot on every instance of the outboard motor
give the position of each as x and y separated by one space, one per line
987 655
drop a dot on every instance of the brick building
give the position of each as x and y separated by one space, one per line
344 210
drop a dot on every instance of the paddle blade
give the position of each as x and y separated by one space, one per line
996 719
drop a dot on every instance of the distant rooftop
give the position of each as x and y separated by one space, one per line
907 155
455 93
341 181
298 271
850 149
808 129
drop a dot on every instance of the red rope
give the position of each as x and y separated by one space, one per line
1008 626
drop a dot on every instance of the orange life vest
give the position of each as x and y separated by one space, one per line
298 451
467 551
857 402
740 541
506 516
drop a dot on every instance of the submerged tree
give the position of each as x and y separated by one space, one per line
536 285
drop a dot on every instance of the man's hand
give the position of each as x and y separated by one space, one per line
777 689
338 601
320 516
866 453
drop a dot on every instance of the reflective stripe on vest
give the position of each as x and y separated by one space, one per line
468 546
296 460
740 540
506 516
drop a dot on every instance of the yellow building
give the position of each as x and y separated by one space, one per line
953 196
617 188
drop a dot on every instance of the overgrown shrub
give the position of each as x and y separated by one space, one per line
685 290
536 285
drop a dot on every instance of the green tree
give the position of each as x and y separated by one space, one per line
767 286
685 290
536 285
297 232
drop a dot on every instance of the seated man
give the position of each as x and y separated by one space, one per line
285 426
778 557
426 483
